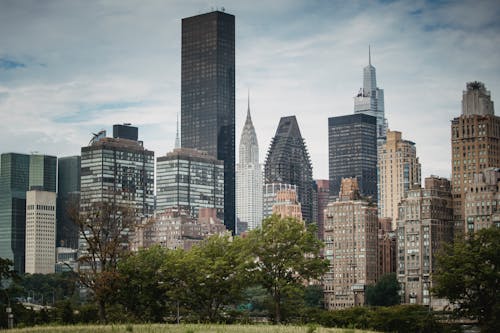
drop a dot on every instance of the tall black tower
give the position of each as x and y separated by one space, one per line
352 152
207 95
288 162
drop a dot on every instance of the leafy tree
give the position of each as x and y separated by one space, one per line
282 255
385 292
468 275
104 228
7 276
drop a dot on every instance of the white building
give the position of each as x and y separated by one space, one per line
40 232
249 179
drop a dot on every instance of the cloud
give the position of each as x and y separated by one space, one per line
7 64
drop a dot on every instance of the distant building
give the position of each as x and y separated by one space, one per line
210 224
66 259
351 232
482 201
323 200
387 247
286 205
208 95
40 232
425 223
288 162
248 179
269 196
19 173
68 195
475 145
118 171
352 152
398 171
190 179
370 99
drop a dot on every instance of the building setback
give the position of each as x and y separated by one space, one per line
352 152
398 170
288 162
18 173
40 232
208 95
248 179
482 201
68 195
425 223
190 179
351 228
475 145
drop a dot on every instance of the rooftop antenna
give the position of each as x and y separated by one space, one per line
177 141
369 55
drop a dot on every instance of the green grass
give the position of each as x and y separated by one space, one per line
188 328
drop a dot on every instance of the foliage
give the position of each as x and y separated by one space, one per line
104 227
49 288
281 256
385 292
468 275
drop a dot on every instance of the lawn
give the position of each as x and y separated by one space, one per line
188 328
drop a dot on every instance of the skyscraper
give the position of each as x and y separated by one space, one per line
68 194
352 152
475 145
249 178
20 172
370 99
118 171
207 95
323 199
288 162
398 171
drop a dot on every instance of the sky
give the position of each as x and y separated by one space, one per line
71 68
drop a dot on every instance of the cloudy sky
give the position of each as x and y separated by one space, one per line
70 68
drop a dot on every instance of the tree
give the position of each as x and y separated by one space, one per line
385 292
104 228
468 275
283 254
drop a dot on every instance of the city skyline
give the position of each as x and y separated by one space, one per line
71 69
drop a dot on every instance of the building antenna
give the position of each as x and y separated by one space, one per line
369 55
177 141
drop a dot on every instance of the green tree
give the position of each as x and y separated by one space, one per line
468 276
385 292
282 255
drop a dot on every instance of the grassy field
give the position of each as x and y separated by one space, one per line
191 328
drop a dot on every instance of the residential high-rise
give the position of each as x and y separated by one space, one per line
208 95
288 162
425 223
118 171
249 178
352 152
482 201
189 179
269 196
18 173
68 195
475 145
40 232
370 99
398 170
287 205
323 200
351 228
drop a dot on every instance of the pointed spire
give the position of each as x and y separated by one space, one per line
369 55
248 109
177 140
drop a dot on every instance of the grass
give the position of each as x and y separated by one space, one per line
187 328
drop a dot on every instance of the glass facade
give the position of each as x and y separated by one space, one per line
190 179
208 95
68 193
352 152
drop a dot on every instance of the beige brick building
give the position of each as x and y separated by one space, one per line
475 145
425 222
398 170
351 227
287 205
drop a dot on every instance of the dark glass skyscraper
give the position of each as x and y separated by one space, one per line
207 95
68 193
20 172
288 162
352 152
